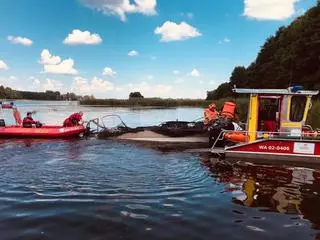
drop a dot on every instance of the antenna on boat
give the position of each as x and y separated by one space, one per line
234 92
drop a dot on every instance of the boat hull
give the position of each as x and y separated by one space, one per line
278 150
43 132
162 142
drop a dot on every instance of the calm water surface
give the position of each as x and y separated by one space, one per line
97 189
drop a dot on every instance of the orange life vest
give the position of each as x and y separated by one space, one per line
237 137
17 117
209 116
229 109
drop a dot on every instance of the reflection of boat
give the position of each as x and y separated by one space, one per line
275 128
279 189
43 132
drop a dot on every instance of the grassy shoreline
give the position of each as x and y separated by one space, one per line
146 102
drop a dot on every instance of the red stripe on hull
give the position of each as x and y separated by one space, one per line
283 146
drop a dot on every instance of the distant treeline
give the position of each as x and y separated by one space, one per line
290 57
146 102
242 103
8 93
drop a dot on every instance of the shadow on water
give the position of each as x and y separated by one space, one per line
293 191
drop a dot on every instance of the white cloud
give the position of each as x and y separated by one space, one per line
7 82
195 73
141 87
176 72
32 84
49 84
150 77
16 83
96 86
179 80
12 78
35 81
225 40
148 90
78 37
269 9
171 31
122 7
80 85
189 15
162 89
48 59
20 40
107 71
53 64
3 65
133 53
65 67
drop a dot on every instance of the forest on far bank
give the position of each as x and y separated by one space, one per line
290 57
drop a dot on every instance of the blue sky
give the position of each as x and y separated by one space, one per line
176 48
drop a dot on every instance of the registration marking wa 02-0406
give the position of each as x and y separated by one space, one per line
274 148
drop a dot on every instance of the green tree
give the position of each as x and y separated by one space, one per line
239 77
135 95
223 91
289 57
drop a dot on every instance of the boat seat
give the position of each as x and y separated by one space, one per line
2 123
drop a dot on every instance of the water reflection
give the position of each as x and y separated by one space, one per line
279 189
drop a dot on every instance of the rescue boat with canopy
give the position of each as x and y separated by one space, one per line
275 129
46 131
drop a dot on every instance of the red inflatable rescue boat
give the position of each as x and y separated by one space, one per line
43 132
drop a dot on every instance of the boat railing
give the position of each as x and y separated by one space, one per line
270 135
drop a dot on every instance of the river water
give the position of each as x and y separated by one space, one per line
99 189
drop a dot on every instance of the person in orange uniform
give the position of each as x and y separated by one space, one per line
74 119
229 111
210 114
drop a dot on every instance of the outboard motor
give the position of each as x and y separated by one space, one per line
2 123
217 127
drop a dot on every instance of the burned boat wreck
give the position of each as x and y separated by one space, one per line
171 135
